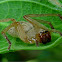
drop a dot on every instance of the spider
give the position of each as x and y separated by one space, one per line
31 31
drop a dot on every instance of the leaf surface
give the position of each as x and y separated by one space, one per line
17 9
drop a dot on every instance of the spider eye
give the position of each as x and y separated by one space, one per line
46 31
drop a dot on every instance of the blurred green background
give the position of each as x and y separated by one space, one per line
53 54
21 51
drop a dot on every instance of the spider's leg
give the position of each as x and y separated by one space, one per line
21 33
60 16
57 31
34 22
6 20
5 30
37 40
42 15
42 21
7 40
37 43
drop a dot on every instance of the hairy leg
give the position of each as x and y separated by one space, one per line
57 31
42 15
5 30
47 22
34 22
6 20
37 43
19 30
21 33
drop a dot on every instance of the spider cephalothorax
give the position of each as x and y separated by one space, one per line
45 37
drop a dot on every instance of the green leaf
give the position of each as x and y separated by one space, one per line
17 9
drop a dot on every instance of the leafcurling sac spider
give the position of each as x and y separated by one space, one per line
31 31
